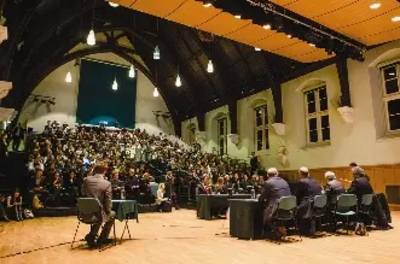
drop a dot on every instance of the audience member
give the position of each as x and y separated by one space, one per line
14 205
333 188
3 206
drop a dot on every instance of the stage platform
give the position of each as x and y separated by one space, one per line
180 238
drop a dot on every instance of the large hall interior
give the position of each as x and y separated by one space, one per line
199 131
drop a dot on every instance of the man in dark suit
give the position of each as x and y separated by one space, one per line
96 186
333 188
307 189
274 188
3 147
360 184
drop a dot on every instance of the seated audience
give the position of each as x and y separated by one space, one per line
360 184
14 205
220 187
3 206
161 200
97 187
274 188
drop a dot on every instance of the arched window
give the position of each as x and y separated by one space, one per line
222 126
261 128
191 134
391 95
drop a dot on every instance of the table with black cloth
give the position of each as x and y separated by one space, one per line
126 210
245 218
207 201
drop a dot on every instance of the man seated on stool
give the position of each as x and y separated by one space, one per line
274 188
333 188
97 187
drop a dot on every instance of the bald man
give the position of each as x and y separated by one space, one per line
274 188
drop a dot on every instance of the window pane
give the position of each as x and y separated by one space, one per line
392 86
258 117
394 114
323 100
311 102
222 127
310 97
265 115
221 146
313 136
390 73
259 140
326 134
312 124
266 138
325 121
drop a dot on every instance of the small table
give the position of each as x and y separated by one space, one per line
245 218
207 201
123 209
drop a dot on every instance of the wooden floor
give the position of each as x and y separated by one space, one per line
178 237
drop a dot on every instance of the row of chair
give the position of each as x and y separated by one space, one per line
346 206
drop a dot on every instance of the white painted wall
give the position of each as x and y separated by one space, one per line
364 141
66 94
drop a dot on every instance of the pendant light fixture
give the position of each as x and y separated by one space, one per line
156 93
132 73
156 53
210 66
91 38
115 84
178 82
68 78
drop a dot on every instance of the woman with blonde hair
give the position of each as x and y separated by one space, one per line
161 201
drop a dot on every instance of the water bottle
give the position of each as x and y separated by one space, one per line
123 193
253 194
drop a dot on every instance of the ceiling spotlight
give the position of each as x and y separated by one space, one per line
267 26
68 78
375 5
257 49
396 19
238 16
91 38
289 36
131 72
113 4
312 44
156 93
210 67
178 82
207 3
115 85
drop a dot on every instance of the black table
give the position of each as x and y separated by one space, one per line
245 218
207 201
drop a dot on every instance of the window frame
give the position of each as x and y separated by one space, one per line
223 136
386 98
264 127
318 114
192 134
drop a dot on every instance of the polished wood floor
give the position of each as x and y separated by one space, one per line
179 237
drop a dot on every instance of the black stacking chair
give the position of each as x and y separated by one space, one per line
90 212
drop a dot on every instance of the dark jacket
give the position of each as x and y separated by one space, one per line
273 189
307 189
333 189
359 187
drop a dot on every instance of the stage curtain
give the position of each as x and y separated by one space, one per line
97 102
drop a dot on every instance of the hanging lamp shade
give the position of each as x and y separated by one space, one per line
156 93
178 82
210 67
68 78
115 85
156 53
91 38
132 73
